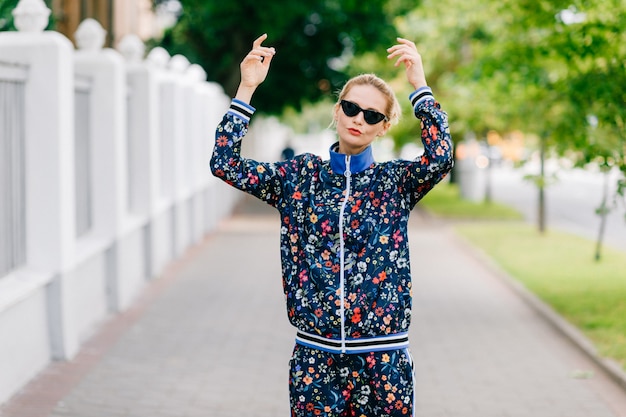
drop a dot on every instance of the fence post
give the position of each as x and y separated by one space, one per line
106 69
49 150
178 66
107 138
142 127
49 144
195 117
161 221
143 143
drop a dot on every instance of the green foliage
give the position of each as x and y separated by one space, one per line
314 41
552 69
542 67
6 18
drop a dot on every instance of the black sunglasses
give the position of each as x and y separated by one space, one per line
371 117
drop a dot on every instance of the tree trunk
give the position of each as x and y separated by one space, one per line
602 211
542 186
489 179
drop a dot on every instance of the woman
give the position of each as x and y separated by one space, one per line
344 245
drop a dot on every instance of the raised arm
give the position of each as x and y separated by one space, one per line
261 179
436 161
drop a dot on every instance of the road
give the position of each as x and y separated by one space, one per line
571 201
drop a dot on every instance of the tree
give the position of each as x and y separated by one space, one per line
315 40
596 86
574 51
6 18
552 69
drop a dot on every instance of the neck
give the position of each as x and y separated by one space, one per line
358 162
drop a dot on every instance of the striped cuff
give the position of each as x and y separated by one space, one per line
242 110
420 95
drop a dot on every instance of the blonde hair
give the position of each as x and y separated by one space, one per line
392 110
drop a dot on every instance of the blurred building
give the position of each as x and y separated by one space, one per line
117 17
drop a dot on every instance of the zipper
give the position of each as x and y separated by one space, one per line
342 274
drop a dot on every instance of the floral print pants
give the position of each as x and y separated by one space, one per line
370 384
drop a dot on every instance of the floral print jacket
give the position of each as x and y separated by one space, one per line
343 238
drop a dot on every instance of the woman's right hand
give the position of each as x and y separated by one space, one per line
254 68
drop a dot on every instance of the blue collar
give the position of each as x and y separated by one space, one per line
358 163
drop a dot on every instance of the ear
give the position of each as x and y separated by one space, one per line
336 113
385 129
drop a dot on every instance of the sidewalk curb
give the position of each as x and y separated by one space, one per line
609 366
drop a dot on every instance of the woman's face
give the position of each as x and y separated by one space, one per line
354 133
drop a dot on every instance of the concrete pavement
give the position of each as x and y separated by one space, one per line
211 338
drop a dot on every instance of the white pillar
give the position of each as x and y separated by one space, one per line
108 101
107 71
49 147
49 144
196 116
178 65
162 222
143 128
144 143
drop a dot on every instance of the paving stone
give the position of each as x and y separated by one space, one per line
215 341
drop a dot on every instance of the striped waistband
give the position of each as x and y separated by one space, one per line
361 345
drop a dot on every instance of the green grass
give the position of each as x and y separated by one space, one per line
559 268
444 201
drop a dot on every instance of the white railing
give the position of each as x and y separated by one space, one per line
104 182
83 154
12 187
131 152
168 140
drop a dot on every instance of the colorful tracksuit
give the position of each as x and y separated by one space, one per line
345 260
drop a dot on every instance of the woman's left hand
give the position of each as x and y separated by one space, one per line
406 52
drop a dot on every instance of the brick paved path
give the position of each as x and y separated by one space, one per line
212 339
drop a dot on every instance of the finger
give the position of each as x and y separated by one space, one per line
258 41
255 55
395 54
406 42
399 50
267 51
401 53
262 53
408 60
394 48
403 44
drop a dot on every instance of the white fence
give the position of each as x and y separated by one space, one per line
12 222
82 155
104 181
